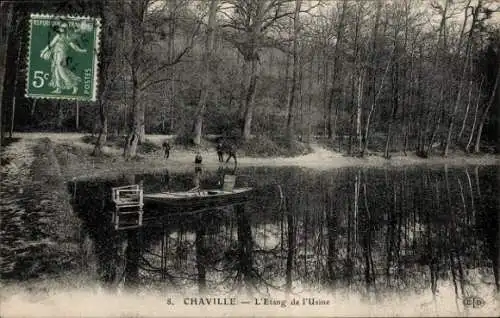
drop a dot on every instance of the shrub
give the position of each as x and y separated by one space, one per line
148 147
262 145
88 139
184 138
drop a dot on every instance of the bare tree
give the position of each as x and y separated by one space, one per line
207 57
474 122
109 71
248 27
339 40
373 73
462 78
143 21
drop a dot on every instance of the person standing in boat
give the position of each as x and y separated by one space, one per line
198 159
196 179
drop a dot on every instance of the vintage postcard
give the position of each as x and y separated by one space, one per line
249 158
63 57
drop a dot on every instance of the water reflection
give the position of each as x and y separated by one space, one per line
365 230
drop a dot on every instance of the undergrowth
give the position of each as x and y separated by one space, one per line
118 142
40 233
264 146
257 146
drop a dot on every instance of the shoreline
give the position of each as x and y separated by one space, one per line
76 162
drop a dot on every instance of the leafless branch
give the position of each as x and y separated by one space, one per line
158 81
176 60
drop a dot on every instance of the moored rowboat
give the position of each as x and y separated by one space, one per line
198 199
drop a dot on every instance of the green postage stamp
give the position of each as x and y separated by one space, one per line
62 60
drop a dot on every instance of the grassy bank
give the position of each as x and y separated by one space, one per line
258 146
73 152
39 231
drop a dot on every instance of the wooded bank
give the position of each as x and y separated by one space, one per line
409 75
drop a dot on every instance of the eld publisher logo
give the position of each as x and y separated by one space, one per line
474 302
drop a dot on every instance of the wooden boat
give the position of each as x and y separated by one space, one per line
197 199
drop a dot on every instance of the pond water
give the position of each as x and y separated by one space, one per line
369 231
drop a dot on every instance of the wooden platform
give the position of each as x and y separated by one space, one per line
129 205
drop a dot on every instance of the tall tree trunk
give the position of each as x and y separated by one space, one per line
336 69
406 85
464 24
295 69
209 47
440 46
103 129
4 44
243 89
136 115
133 137
326 72
250 94
394 93
466 115
474 122
141 116
14 97
286 83
460 86
359 72
309 102
437 123
395 103
171 54
373 106
10 72
359 108
420 147
109 52
373 74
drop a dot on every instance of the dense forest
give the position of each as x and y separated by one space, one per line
410 75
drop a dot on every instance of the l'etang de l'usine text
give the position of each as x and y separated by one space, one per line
204 301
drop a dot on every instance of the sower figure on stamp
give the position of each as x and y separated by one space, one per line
166 148
56 52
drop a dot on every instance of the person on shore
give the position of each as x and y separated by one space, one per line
224 146
220 151
166 148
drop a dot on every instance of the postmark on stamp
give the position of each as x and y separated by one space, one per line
62 58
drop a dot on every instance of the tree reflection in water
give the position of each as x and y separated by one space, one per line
364 230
